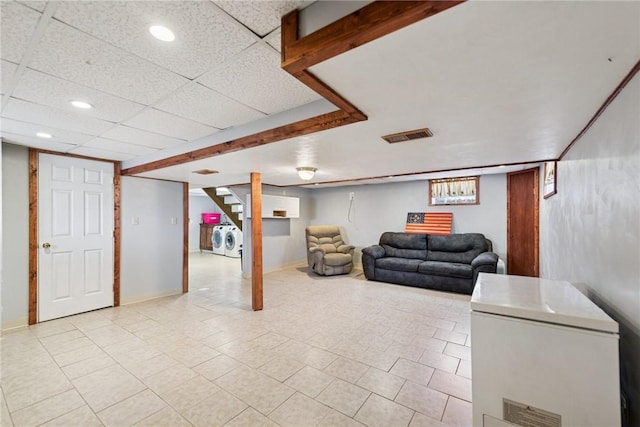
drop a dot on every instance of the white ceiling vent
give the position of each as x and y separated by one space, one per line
409 135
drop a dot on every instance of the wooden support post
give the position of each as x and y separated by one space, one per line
185 237
33 236
256 241
117 224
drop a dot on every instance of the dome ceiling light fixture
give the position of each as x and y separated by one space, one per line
306 172
81 104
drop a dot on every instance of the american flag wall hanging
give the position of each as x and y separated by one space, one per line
429 223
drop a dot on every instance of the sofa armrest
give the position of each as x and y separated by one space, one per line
346 249
374 251
485 258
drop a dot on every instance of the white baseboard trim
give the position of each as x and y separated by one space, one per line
143 298
9 325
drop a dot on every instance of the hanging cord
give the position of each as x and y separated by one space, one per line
349 211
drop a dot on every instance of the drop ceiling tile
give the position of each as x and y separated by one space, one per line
35 142
48 116
7 69
205 37
101 154
141 137
120 147
37 5
207 106
30 130
257 80
75 56
45 89
167 124
17 24
260 16
275 39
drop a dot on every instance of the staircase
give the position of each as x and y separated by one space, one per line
228 203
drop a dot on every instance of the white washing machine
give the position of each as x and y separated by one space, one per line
233 242
217 239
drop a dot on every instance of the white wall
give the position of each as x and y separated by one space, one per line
377 208
151 251
590 230
283 240
15 236
198 205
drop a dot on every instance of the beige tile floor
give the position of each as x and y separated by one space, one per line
325 351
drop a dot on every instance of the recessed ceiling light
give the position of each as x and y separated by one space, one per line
81 104
162 33
44 135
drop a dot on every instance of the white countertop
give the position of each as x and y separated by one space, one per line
537 299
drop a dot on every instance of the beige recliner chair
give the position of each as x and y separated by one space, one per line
327 253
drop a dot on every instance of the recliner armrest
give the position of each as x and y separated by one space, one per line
374 251
316 249
485 258
345 249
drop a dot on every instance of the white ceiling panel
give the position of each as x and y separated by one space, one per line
7 69
257 80
75 56
141 137
208 106
261 17
120 147
48 116
45 89
275 39
30 130
17 24
35 142
100 154
205 37
160 122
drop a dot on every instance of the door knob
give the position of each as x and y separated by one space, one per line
46 245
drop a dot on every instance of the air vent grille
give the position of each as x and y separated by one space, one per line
408 135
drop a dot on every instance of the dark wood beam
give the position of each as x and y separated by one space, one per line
256 241
185 237
373 21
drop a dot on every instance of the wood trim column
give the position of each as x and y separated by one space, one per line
256 241
185 237
117 213
33 236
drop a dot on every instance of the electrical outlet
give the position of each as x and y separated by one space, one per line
352 195
135 220
174 220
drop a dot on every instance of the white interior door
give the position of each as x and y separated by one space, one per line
75 235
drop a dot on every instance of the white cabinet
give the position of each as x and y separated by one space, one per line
542 354
276 206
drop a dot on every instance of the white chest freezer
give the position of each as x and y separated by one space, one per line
542 355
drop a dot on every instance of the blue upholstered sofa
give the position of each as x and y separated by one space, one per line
445 263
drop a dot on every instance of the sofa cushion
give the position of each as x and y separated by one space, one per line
337 259
460 248
448 269
399 264
401 245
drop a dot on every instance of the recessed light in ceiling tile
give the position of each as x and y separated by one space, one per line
81 104
162 33
44 135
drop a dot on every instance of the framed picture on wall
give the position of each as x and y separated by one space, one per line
550 175
454 191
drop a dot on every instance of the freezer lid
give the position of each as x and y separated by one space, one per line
538 299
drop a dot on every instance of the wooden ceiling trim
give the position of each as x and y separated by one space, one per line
603 107
373 21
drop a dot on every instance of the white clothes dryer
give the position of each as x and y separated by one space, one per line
233 242
217 239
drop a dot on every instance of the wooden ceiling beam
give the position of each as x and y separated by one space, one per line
373 21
